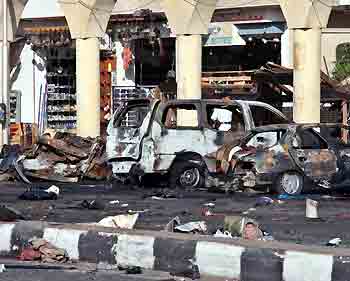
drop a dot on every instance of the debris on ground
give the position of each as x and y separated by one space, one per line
263 201
63 157
93 205
224 234
162 194
291 197
130 269
210 205
192 227
114 202
245 228
41 250
334 242
120 221
170 227
2 268
311 211
10 214
192 273
36 194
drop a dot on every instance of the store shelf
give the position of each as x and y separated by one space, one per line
61 100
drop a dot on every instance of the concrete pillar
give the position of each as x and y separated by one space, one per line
189 20
9 19
87 21
4 139
88 86
189 66
306 20
307 65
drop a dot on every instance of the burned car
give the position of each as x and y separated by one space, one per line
288 158
186 140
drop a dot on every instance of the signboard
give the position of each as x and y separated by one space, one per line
223 34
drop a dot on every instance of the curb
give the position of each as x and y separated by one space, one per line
172 252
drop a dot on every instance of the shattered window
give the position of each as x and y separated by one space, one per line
225 118
265 139
180 115
134 116
263 116
311 140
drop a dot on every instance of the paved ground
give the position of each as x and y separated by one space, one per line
285 221
31 271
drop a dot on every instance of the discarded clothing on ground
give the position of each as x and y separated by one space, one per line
121 221
93 205
41 250
192 227
63 157
36 194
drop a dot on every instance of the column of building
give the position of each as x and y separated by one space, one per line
9 19
188 20
87 23
306 19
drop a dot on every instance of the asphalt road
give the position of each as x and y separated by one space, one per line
285 221
31 271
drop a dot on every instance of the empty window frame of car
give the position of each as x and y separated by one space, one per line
310 139
265 139
264 116
133 116
177 116
225 118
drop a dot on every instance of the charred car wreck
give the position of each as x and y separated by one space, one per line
153 138
285 157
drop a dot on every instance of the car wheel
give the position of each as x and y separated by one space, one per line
291 183
187 175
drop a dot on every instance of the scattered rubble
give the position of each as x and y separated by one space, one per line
61 158
334 242
192 227
245 228
93 205
41 250
121 221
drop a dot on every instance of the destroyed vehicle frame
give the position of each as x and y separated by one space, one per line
291 158
179 138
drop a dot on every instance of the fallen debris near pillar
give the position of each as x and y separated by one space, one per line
40 249
63 157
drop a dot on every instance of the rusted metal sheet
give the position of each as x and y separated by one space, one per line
61 147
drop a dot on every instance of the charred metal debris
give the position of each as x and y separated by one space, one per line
63 157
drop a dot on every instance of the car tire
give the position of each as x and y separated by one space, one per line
290 183
186 174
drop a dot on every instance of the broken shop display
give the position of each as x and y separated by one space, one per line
41 250
62 158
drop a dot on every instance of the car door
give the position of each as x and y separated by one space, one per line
225 125
312 155
127 128
180 131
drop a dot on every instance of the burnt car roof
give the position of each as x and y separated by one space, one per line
275 127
